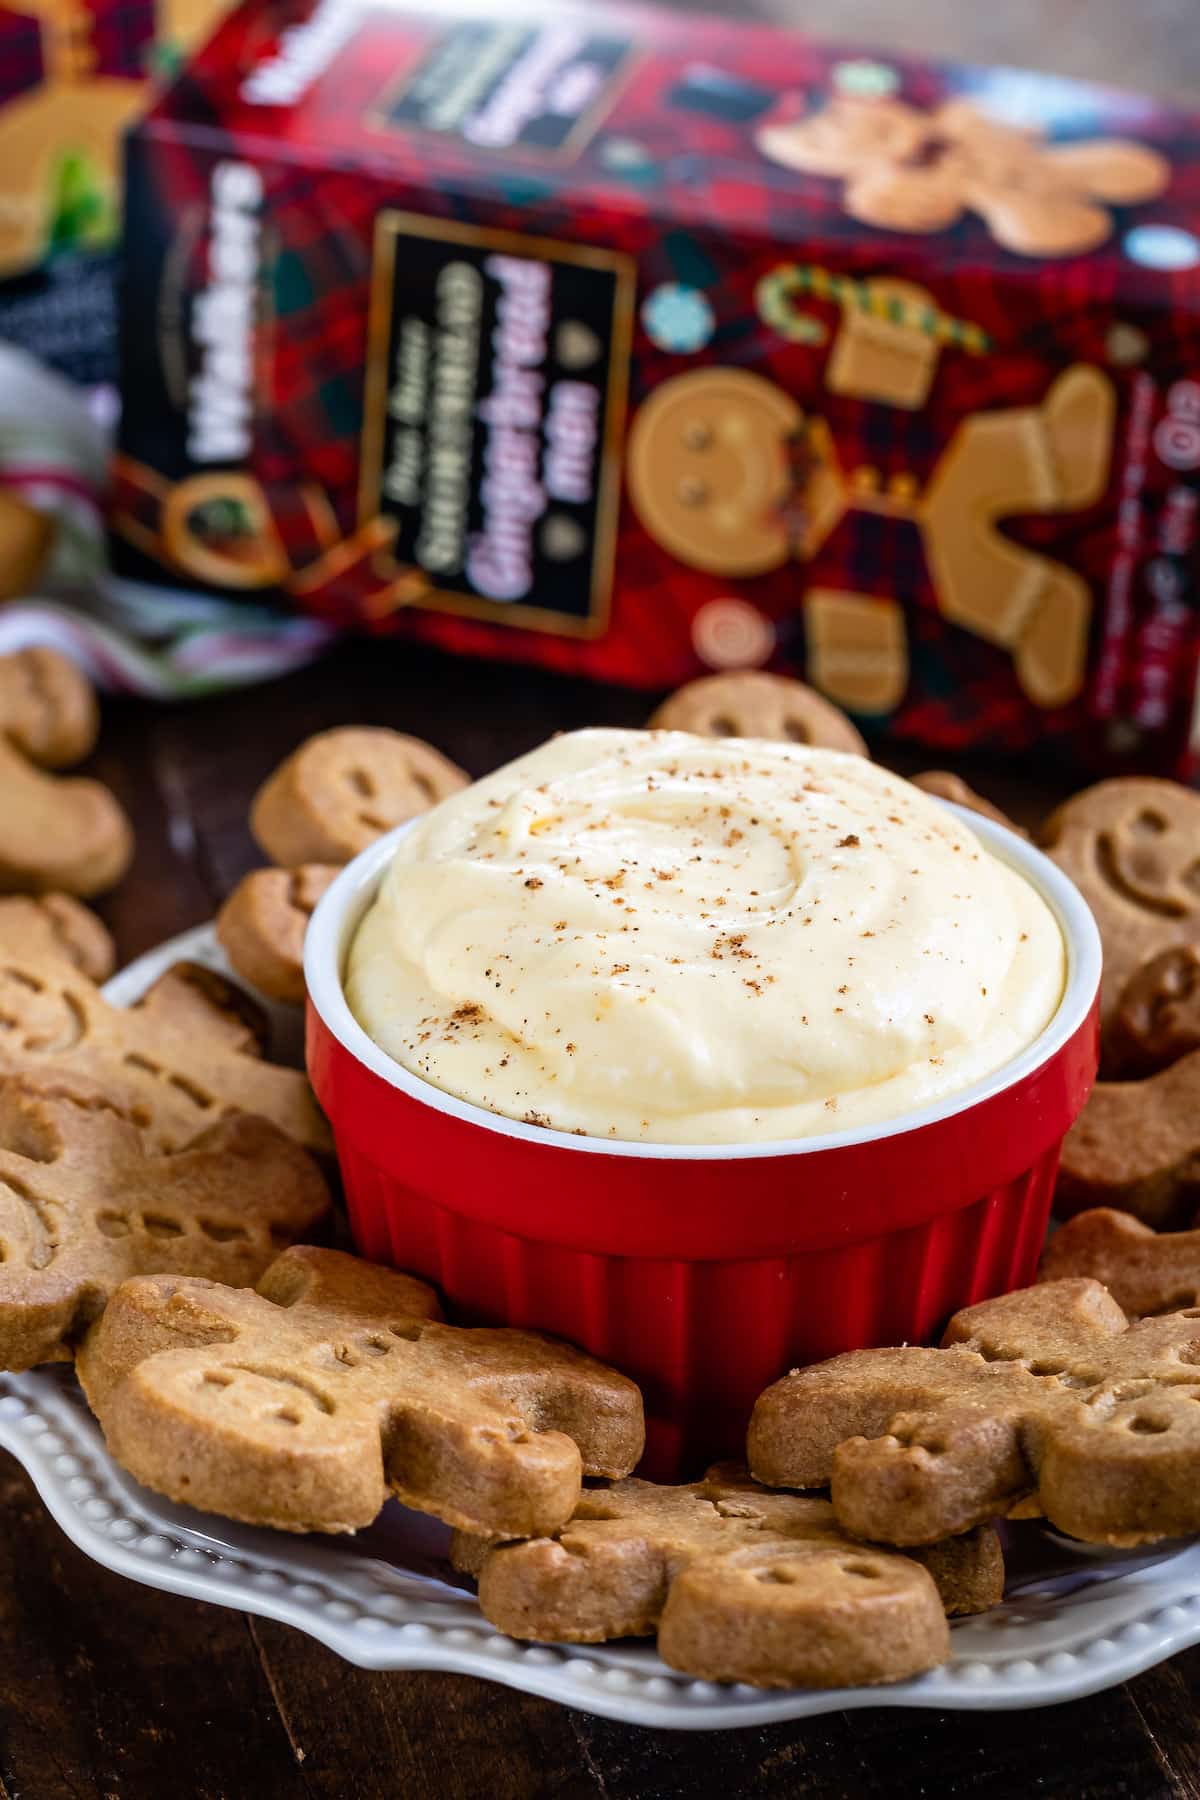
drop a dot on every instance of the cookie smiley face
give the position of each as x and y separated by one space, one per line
1133 847
1148 854
37 1017
709 470
844 134
342 789
753 703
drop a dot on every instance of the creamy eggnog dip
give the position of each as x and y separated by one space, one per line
648 935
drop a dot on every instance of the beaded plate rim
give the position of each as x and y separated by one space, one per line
1084 1622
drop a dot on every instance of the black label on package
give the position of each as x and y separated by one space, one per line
496 378
507 85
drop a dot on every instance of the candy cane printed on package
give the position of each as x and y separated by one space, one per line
637 345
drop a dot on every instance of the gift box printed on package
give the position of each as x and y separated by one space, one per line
639 345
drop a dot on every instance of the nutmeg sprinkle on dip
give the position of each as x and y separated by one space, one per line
648 935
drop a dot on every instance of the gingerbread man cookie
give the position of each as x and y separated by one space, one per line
1046 1401
1147 1272
1136 1145
1157 1018
740 1584
1132 847
261 926
187 1054
948 786
303 1404
56 925
55 832
344 788
48 708
71 112
84 1204
328 800
752 703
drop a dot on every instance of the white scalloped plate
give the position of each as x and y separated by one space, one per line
1074 1621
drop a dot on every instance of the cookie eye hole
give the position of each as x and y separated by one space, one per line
157 1225
697 435
26 981
797 731
1145 1427
692 492
223 1231
1148 824
724 726
360 780
192 1090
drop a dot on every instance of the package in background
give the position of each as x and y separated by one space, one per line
73 76
638 345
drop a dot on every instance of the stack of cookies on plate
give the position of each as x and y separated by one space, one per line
1132 847
161 1182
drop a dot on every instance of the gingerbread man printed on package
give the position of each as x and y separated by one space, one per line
906 169
225 529
731 476
65 128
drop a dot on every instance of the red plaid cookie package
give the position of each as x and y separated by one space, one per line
637 345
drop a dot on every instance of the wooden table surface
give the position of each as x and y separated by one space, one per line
113 1691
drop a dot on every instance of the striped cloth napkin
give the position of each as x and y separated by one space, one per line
54 449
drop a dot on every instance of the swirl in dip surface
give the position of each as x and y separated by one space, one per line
648 935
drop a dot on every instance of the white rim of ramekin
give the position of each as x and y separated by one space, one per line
345 901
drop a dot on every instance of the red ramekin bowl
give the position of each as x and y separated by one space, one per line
704 1271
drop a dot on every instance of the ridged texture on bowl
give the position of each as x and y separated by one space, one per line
703 1338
